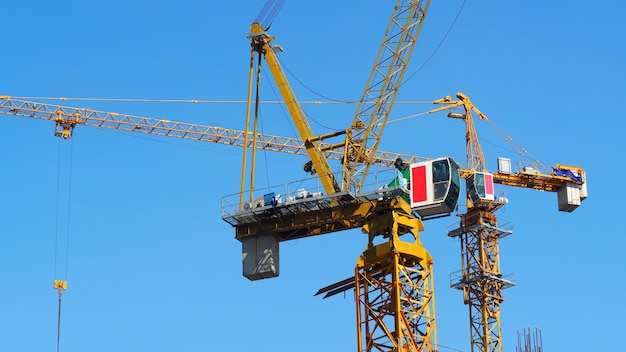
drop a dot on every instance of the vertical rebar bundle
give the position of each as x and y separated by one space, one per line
529 341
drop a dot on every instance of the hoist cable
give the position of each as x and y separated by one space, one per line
69 208
59 324
61 285
56 226
458 14
193 101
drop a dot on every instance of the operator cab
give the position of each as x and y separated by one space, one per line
435 187
480 187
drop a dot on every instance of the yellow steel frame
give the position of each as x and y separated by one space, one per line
482 289
66 118
381 90
395 288
342 214
261 45
481 279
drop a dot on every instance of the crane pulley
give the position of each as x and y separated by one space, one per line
363 136
61 286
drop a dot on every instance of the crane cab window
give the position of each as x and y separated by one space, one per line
441 177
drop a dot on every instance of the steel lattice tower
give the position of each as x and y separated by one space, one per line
395 298
480 277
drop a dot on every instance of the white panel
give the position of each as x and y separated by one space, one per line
504 166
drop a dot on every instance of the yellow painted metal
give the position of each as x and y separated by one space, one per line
261 44
381 89
395 289
474 153
480 273
341 215
60 285
255 132
481 278
177 129
486 333
244 161
72 116
475 158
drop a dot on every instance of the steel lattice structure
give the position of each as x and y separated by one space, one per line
395 289
481 279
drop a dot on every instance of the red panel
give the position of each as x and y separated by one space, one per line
418 184
489 184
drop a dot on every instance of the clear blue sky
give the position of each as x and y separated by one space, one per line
151 265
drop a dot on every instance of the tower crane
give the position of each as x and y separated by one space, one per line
393 279
479 231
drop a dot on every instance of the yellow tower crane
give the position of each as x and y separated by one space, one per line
393 279
479 231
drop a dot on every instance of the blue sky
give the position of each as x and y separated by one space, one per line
151 265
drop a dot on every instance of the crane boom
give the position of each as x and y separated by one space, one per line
66 118
381 90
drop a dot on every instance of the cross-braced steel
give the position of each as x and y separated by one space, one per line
395 298
481 279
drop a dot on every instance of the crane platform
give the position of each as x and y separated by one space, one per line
305 213
276 217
